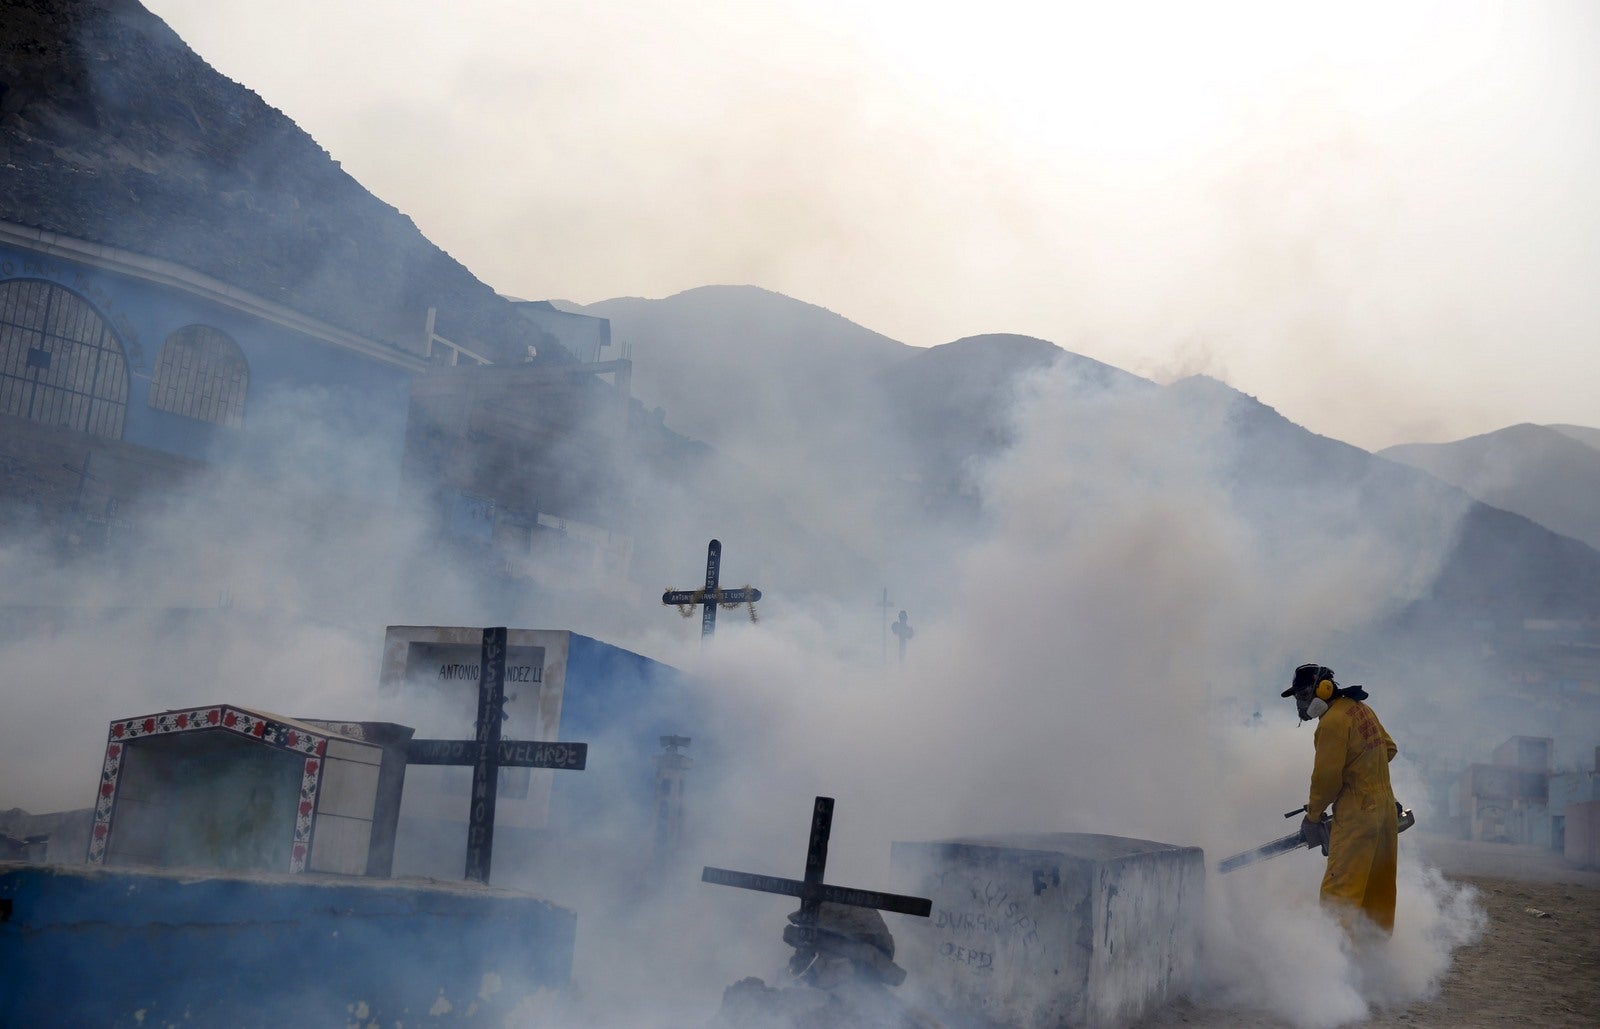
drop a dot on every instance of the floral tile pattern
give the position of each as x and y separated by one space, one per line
211 719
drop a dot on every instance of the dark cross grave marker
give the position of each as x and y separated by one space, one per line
903 629
712 595
487 753
812 891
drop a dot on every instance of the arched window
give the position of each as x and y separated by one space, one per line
202 374
60 363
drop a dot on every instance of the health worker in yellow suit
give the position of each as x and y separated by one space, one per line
1350 774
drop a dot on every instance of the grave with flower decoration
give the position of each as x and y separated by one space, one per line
226 787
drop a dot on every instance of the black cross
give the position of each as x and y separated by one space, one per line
711 595
488 753
812 891
903 629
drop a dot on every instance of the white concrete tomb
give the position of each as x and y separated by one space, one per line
228 787
1051 928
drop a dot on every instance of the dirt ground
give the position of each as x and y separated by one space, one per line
1537 963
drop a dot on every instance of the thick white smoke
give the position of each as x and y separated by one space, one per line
1102 655
1107 658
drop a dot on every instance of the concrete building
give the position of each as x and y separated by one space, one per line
184 272
579 335
148 368
1506 801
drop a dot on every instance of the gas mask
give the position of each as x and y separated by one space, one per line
1309 705
1313 703
1313 690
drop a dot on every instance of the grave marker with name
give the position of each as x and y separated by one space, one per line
486 752
712 595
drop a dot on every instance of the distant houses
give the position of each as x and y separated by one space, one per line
1517 797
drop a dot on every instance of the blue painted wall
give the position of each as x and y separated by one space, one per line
100 947
621 704
350 391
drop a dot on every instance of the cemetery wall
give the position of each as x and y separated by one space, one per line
83 946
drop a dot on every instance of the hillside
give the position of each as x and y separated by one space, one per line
1550 474
743 367
113 131
862 434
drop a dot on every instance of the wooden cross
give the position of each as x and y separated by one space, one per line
812 891
712 595
487 753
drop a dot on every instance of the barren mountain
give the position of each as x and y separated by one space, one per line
1549 473
112 130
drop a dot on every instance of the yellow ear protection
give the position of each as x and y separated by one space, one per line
1324 693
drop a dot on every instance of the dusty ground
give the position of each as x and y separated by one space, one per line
1528 969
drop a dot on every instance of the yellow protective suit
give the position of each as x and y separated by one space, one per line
1351 773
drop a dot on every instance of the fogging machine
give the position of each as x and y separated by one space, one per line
1294 841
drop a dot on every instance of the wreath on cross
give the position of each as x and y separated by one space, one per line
717 597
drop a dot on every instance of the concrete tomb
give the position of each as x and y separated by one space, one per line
559 685
1051 929
227 787
238 875
487 752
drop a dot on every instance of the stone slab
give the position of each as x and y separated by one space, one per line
1050 928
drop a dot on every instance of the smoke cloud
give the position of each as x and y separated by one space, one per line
1099 646
1101 652
1374 221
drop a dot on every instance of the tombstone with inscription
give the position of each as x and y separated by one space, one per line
558 686
1052 928
227 787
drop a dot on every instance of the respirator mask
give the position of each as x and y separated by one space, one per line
1313 689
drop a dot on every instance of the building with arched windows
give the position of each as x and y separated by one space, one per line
120 347
186 276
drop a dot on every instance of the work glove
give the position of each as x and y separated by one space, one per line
1314 833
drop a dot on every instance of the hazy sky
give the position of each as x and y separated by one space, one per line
1381 219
